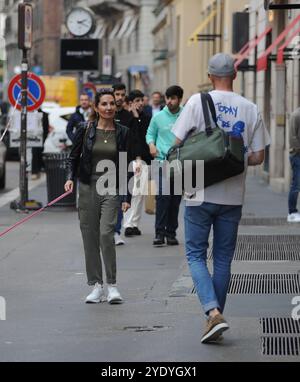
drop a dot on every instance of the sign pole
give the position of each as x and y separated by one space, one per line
25 26
23 148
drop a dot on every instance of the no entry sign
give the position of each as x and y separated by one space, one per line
36 92
90 89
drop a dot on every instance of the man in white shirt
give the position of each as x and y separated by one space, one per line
222 205
156 101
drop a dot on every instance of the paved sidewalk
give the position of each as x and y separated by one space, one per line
42 278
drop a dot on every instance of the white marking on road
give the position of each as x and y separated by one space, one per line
14 194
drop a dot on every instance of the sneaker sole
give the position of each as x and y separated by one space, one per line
159 245
115 302
102 299
119 244
215 333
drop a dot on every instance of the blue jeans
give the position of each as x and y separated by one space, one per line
295 186
211 290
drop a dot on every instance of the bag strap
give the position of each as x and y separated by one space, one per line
212 108
208 125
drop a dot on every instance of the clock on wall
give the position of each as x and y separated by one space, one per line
80 22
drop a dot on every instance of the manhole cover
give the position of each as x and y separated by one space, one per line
266 248
261 283
279 325
280 346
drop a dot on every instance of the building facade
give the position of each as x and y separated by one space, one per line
47 23
125 30
13 54
186 34
2 50
275 83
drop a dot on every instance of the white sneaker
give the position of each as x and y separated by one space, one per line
293 218
113 296
96 296
119 240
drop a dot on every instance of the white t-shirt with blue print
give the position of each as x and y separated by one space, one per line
237 115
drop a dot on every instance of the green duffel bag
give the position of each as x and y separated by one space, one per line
222 152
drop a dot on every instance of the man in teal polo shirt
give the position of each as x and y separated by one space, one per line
160 139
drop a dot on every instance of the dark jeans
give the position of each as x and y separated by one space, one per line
37 160
118 227
295 186
167 210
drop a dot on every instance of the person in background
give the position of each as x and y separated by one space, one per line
160 139
37 163
96 141
124 118
140 152
156 103
81 115
147 107
294 126
126 104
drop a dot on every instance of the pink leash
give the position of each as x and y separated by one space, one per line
35 213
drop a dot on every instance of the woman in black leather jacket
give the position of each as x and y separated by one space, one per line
95 142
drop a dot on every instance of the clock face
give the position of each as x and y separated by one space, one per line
80 22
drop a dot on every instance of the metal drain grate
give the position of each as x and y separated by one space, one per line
280 346
266 248
264 221
279 325
261 283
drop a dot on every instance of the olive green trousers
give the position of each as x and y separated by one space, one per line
98 217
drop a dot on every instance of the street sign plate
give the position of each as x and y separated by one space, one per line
36 92
90 89
34 130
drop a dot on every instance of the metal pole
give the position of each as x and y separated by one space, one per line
243 84
23 148
255 77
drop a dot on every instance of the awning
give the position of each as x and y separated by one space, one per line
100 30
131 27
248 48
115 30
262 62
194 36
124 28
280 55
137 69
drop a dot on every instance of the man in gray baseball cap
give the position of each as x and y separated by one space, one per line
221 207
221 65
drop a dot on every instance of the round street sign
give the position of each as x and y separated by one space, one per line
36 92
90 89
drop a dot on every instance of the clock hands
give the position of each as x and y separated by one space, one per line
84 21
